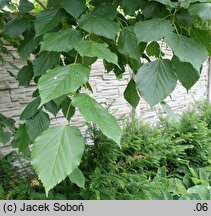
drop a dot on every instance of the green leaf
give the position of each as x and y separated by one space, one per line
35 93
25 6
4 136
134 65
196 181
203 37
111 67
52 4
31 109
21 139
203 175
47 20
203 10
74 7
43 62
62 80
187 50
152 30
16 27
36 125
201 190
77 177
28 45
187 181
25 75
128 43
186 3
131 95
56 153
184 19
93 111
52 107
59 100
130 6
167 2
94 49
97 3
106 10
61 41
154 9
67 109
99 25
186 73
153 49
156 80
6 122
89 60
162 172
176 186
193 172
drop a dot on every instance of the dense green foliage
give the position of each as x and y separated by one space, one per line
169 161
59 40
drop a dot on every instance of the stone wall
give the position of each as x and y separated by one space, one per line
107 90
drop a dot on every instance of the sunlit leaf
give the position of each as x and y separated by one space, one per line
94 112
56 153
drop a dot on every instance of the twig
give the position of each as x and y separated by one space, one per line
1 32
41 4
76 57
68 110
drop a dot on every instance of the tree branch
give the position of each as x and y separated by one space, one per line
1 32
41 4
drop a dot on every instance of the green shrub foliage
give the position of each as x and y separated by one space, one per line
59 40
169 161
193 134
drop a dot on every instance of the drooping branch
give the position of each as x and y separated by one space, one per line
41 4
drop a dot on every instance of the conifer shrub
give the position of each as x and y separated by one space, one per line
170 160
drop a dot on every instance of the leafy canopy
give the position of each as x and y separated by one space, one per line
59 40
